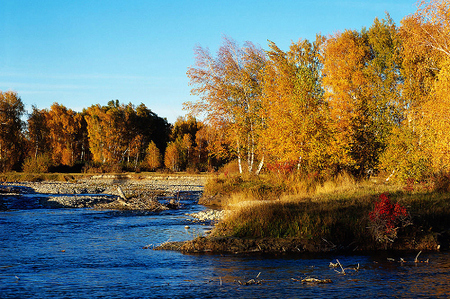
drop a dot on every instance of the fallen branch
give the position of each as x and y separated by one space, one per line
312 280
338 264
416 259
343 270
251 281
417 256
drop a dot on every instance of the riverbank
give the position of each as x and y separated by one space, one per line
264 216
256 216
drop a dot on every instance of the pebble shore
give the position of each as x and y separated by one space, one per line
207 216
103 192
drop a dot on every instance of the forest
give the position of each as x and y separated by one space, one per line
357 101
111 138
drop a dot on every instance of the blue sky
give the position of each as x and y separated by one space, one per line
79 53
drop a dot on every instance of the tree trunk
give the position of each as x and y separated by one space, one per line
261 163
239 157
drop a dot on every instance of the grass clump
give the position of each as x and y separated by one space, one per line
220 189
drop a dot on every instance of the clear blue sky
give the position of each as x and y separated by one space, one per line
80 53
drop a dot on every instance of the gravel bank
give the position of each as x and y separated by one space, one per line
102 192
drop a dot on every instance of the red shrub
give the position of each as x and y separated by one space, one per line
387 218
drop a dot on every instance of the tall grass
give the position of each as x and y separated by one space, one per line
335 210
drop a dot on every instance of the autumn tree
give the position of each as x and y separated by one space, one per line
119 134
184 135
295 129
172 157
361 81
64 127
426 70
11 134
153 156
38 132
229 87
212 148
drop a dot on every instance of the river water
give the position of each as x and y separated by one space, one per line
83 253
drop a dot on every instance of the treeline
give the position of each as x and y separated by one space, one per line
110 138
356 101
362 101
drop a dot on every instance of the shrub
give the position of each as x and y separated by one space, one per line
386 219
39 164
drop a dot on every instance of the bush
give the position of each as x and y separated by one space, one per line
441 182
386 219
230 168
39 164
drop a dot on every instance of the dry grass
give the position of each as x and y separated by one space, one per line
336 210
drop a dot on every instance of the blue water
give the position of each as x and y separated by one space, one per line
82 253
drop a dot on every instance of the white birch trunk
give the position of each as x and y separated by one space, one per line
239 157
261 163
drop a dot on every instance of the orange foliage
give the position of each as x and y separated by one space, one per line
11 136
295 125
63 125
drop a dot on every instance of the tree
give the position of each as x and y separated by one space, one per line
119 134
153 156
212 149
361 81
229 87
184 135
64 127
172 157
424 130
295 127
430 27
38 132
11 125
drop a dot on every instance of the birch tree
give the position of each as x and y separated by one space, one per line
229 87
295 129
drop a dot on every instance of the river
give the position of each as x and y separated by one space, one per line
84 253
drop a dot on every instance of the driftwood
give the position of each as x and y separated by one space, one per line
312 280
338 264
251 281
121 194
416 259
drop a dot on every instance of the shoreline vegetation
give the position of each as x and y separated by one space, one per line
280 214
270 213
